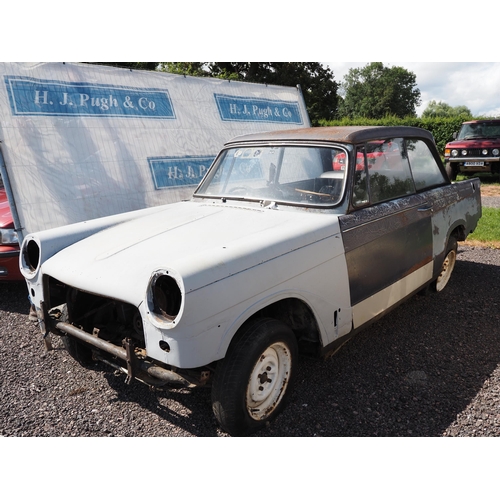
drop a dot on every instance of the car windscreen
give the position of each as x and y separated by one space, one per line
481 130
297 175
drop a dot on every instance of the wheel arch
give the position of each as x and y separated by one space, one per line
294 312
458 231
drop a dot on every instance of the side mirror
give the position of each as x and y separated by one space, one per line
455 135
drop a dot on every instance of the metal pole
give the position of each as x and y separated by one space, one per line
299 88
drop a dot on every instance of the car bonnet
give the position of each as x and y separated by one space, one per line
201 242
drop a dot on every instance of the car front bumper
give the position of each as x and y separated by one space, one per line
9 264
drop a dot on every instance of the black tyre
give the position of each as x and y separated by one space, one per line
452 172
77 350
447 266
252 382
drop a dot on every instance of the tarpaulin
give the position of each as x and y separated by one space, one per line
82 141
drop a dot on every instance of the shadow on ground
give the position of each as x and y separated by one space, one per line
410 374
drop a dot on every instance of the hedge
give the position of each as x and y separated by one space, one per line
441 128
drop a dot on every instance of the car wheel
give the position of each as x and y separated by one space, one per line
447 266
76 349
451 172
252 382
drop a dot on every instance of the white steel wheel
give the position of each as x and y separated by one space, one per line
251 384
448 265
268 380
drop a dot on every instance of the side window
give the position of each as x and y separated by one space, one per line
386 174
426 172
388 170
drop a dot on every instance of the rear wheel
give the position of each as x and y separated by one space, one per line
447 266
252 382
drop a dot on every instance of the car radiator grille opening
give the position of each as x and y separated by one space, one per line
108 319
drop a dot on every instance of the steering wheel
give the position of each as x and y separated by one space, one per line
314 193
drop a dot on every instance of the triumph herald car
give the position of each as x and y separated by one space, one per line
278 253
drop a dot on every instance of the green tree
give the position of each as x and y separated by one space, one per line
443 110
150 66
375 91
184 68
317 82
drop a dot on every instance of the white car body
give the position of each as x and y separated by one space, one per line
231 262
322 263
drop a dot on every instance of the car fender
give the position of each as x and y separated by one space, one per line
328 331
51 241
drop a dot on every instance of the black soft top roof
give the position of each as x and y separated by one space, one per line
351 135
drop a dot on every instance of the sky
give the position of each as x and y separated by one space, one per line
248 37
472 84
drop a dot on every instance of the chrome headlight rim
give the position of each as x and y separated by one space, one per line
165 298
454 153
495 152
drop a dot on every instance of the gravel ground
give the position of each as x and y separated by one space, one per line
490 201
429 368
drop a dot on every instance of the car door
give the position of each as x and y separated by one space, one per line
437 193
388 236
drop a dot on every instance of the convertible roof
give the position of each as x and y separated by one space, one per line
352 135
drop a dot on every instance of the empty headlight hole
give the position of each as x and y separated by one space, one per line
167 297
32 255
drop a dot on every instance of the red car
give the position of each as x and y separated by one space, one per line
379 156
476 149
9 245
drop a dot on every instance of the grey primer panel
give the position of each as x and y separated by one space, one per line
385 243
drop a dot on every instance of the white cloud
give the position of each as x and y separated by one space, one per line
472 84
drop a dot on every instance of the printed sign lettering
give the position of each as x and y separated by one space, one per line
31 96
179 171
233 108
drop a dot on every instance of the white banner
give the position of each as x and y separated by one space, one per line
82 141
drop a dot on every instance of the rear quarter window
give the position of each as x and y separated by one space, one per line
425 170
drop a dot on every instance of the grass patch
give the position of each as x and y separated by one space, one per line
486 179
487 232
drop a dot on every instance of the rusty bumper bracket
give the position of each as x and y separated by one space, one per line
43 325
135 365
131 360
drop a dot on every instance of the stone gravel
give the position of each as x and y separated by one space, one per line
429 368
490 201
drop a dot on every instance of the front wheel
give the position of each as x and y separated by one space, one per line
77 350
451 172
252 382
447 266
